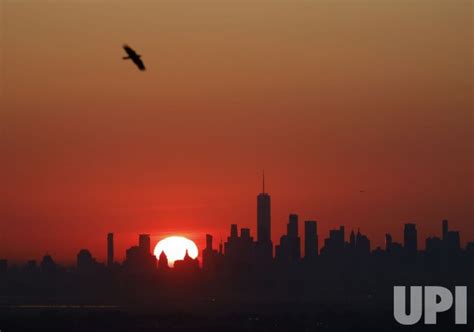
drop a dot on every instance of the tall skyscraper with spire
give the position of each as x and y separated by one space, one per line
264 240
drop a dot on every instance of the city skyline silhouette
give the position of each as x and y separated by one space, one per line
285 241
293 247
243 280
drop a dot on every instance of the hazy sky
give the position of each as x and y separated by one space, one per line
329 97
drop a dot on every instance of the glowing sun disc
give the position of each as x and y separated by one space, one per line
175 248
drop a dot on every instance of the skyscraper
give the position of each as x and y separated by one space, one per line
144 242
210 257
110 249
362 244
85 262
239 249
209 241
263 216
310 239
352 240
292 227
445 229
388 242
264 242
410 241
451 239
289 248
233 231
334 245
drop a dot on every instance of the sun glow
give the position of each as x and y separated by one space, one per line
175 248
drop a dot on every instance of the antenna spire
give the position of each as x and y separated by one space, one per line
263 181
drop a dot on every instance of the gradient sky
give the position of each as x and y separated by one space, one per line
329 97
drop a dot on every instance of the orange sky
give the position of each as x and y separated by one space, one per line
329 97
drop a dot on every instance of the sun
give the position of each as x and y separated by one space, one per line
175 248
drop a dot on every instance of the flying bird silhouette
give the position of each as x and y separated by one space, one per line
132 55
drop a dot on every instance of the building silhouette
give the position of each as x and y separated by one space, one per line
470 250
334 245
187 264
434 245
48 265
144 242
392 248
388 242
410 240
211 258
310 239
448 246
445 229
362 244
86 263
163 263
240 250
451 239
264 242
110 250
139 259
289 249
352 241
231 246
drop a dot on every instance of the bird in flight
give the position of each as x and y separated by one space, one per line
132 55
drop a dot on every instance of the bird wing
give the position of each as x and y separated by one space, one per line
139 63
131 53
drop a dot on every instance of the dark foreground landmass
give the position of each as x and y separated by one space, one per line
347 296
143 319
